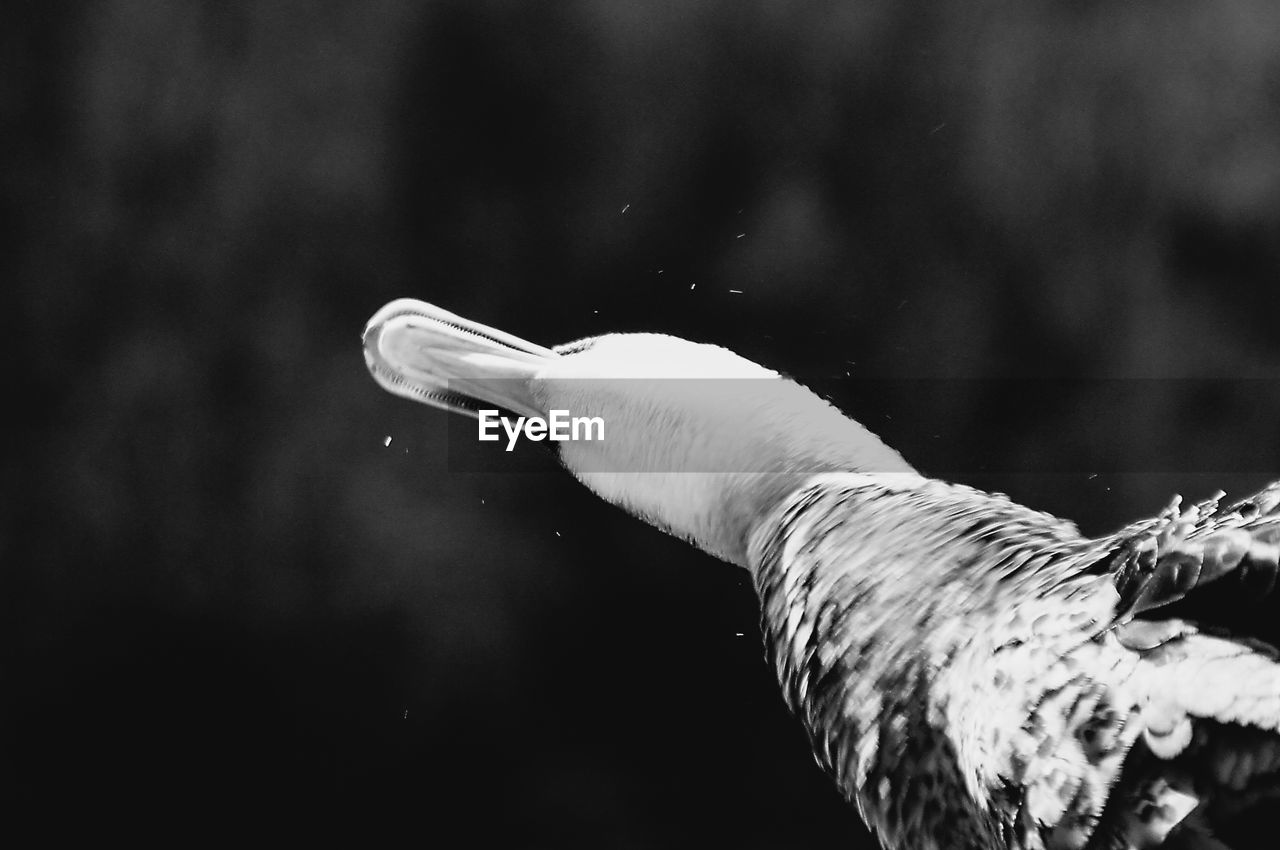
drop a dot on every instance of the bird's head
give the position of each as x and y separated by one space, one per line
690 437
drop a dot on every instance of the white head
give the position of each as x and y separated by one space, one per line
697 440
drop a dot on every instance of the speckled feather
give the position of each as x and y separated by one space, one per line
972 674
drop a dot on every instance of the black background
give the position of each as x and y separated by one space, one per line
230 605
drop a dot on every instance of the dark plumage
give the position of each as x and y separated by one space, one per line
973 675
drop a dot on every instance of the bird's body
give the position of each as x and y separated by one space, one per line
967 668
972 673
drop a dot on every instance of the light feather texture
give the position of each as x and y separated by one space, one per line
972 673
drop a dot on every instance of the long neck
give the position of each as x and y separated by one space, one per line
814 440
715 475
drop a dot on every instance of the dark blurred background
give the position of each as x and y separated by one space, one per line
229 602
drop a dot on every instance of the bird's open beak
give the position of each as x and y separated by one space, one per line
419 351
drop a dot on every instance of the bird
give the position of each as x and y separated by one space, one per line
972 673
